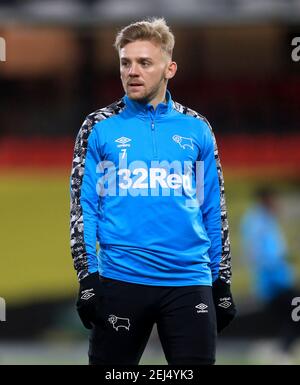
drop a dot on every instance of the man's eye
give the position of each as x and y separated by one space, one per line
145 64
125 64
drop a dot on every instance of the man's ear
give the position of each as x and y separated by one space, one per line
171 70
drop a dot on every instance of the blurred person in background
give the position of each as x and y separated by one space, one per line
273 278
160 260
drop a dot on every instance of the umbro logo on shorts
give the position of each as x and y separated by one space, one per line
202 308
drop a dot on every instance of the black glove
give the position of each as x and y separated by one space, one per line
88 300
224 305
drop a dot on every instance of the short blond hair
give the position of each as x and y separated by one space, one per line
155 29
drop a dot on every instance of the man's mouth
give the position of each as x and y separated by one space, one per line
135 84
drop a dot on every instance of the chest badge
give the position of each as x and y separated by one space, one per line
183 142
123 141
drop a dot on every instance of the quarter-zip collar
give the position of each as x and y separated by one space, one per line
146 109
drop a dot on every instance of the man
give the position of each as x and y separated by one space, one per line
137 190
273 278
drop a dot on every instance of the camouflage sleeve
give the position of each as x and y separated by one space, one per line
84 198
85 261
225 263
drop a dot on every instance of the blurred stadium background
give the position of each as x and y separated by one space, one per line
235 68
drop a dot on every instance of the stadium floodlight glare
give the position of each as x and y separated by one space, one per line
2 49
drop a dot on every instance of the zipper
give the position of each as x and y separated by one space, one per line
154 145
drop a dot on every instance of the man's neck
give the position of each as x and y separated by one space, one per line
158 99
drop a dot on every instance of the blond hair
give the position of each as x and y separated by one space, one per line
155 29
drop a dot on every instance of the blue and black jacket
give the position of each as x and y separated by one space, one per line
147 197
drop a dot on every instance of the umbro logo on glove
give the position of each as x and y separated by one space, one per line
224 304
88 300
87 294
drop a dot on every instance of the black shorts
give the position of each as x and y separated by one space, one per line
185 318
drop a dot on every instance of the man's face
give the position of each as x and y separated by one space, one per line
144 70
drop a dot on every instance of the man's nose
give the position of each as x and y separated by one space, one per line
133 70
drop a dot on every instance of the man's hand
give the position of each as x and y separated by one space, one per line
224 305
88 300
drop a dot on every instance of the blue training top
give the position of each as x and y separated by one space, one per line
147 186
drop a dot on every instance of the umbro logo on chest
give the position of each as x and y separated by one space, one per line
123 142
